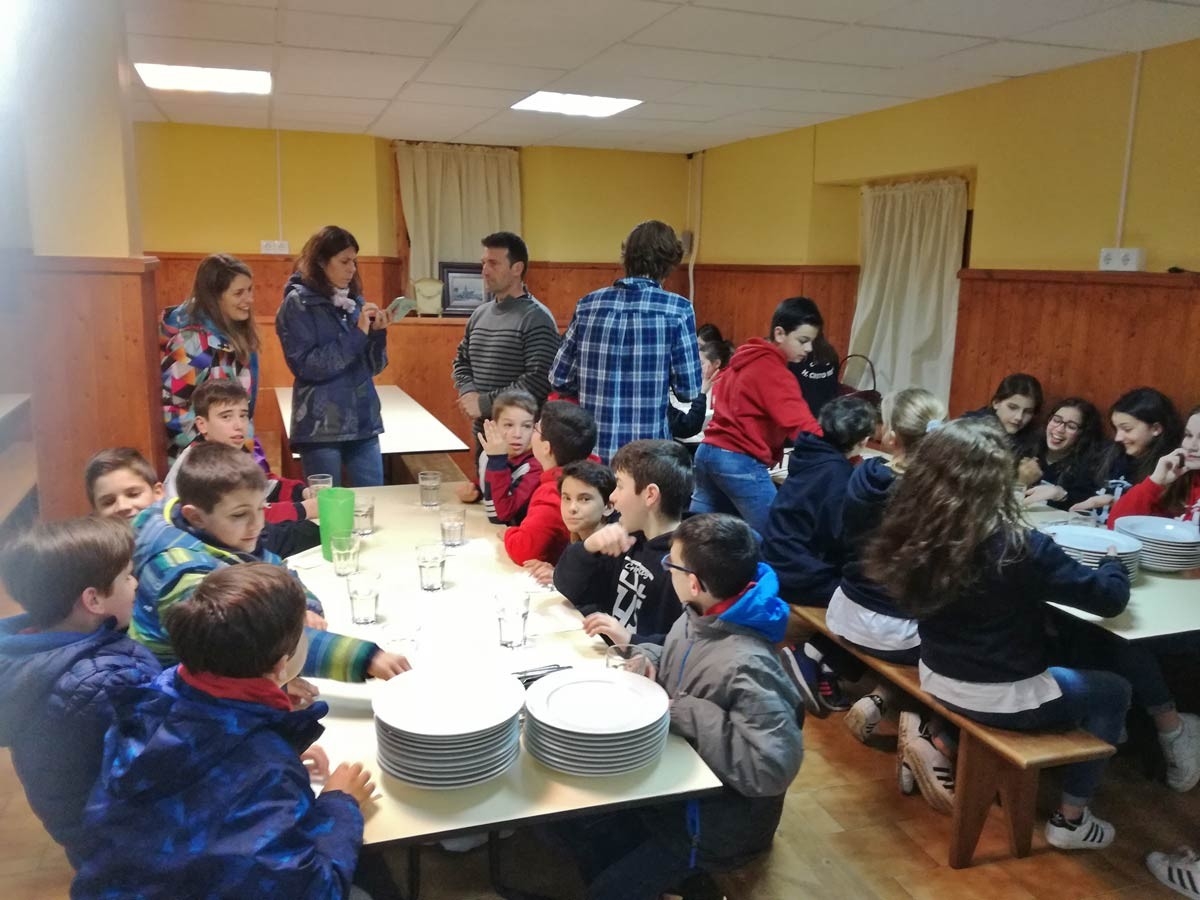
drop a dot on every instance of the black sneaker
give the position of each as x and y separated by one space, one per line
829 693
803 672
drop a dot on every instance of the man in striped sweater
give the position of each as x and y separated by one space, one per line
510 340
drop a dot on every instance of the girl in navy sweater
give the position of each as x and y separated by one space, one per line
1016 405
1067 455
953 551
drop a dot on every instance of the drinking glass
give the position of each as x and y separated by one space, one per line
454 524
431 561
512 614
318 483
345 553
431 489
364 515
363 588
629 657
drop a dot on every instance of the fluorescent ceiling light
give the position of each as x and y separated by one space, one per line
575 104
194 78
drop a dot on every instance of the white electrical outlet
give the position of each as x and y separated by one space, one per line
1122 259
274 247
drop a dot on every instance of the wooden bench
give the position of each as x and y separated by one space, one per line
991 761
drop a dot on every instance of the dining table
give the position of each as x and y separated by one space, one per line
455 629
1161 604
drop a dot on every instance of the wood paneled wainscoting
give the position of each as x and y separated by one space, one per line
91 332
382 277
1091 334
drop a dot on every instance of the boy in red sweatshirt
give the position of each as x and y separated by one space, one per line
759 407
564 433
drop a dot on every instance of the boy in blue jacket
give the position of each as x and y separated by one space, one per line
62 659
217 521
203 791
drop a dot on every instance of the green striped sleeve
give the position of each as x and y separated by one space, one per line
337 656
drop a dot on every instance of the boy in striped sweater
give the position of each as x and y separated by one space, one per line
214 522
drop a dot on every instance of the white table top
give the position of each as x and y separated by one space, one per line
457 626
1159 604
408 426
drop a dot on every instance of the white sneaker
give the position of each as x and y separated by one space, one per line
864 716
1182 753
908 725
1180 871
1089 833
933 770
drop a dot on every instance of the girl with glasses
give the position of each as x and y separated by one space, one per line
1067 455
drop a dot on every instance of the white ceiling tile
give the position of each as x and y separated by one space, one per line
457 95
264 4
679 112
774 118
334 73
188 52
831 102
824 10
301 106
666 63
809 76
719 30
927 80
287 124
519 127
145 111
552 33
401 118
1012 58
602 141
1135 26
224 101
735 97
205 21
861 46
614 84
470 73
624 123
202 113
450 12
987 18
340 32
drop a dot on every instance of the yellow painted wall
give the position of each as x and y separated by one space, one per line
205 188
756 200
1046 151
578 205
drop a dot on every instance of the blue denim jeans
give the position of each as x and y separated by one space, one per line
364 464
729 482
1092 700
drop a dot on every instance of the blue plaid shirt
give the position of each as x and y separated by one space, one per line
626 348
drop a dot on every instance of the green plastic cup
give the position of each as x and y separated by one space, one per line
335 509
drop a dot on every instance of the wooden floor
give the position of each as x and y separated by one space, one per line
846 833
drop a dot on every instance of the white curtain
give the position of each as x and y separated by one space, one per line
911 249
454 195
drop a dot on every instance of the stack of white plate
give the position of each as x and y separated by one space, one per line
595 722
1167 545
441 729
1090 545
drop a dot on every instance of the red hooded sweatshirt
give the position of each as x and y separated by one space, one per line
758 404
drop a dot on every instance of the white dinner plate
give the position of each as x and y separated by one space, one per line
1160 530
452 784
598 758
433 759
572 767
442 742
608 701
1081 537
598 740
452 769
444 702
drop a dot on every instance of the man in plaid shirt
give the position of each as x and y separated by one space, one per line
629 345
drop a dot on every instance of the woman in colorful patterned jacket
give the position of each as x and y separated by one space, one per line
211 335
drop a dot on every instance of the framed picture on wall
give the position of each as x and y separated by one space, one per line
462 287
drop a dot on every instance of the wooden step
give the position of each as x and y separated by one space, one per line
18 476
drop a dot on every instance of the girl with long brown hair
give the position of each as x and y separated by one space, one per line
954 553
209 336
